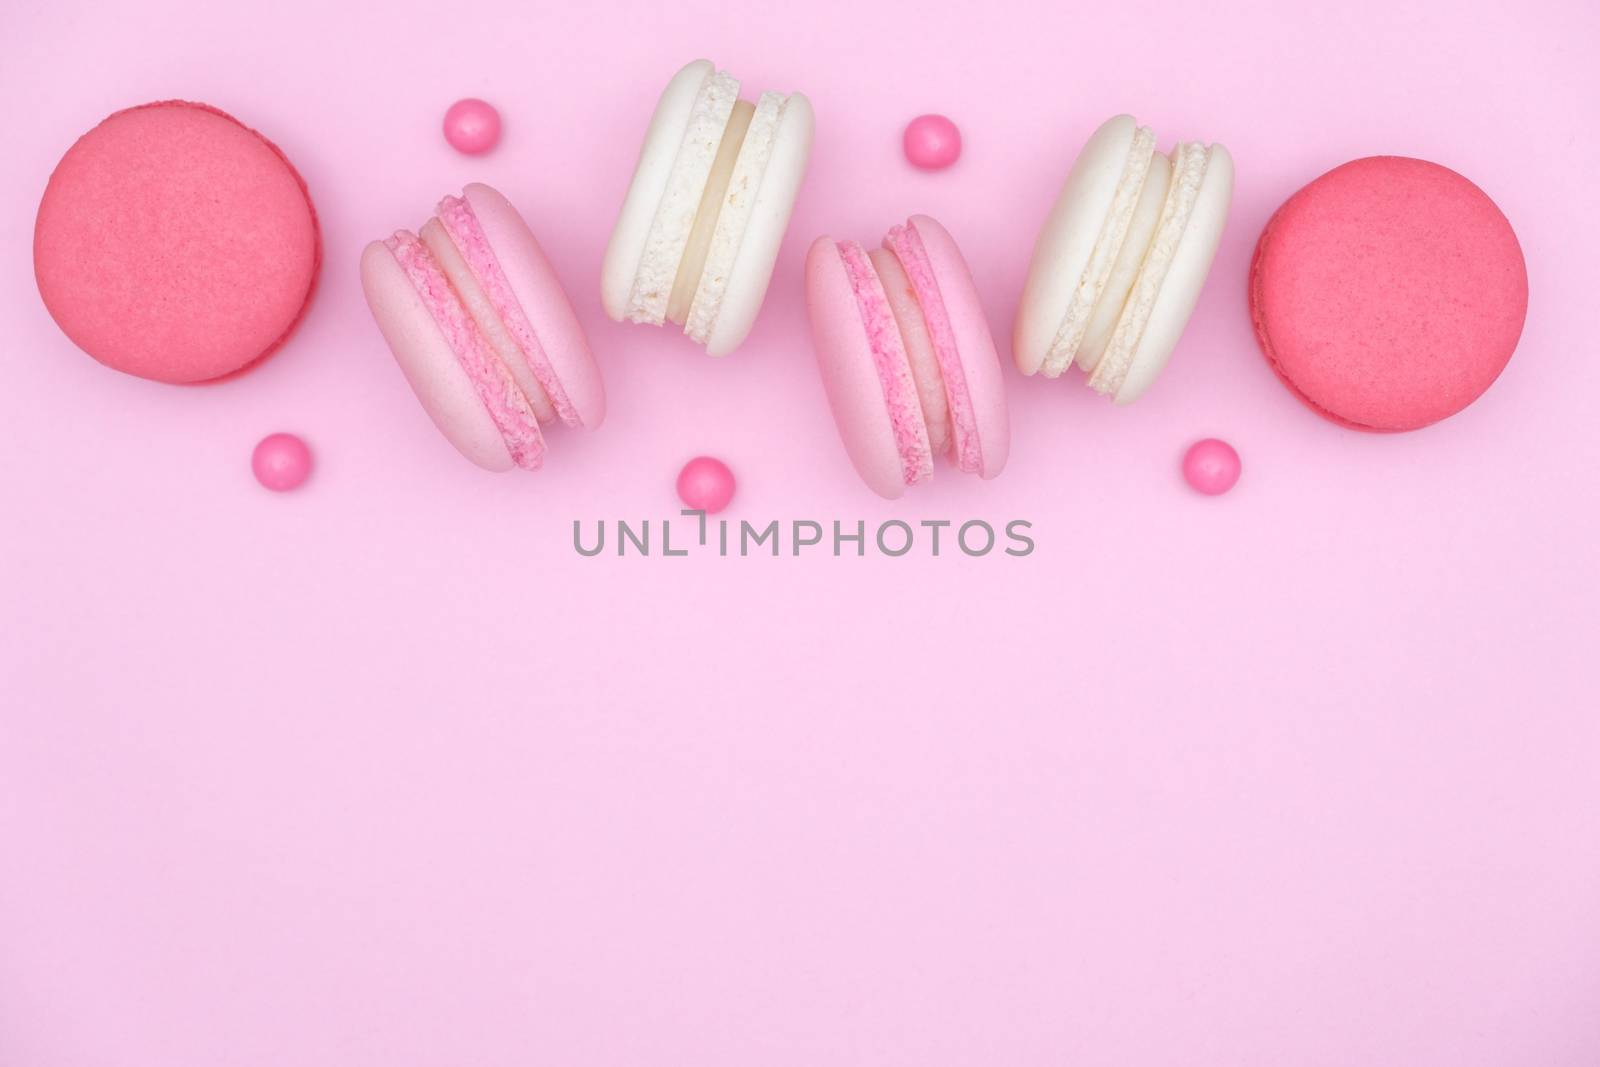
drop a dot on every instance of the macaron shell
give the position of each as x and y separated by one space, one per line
650 176
1067 240
1185 278
544 301
849 372
769 221
175 243
1389 293
425 357
974 343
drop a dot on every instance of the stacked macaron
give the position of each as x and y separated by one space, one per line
1122 258
479 323
711 195
906 356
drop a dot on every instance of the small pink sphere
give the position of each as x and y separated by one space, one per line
281 462
1211 466
705 484
472 126
932 142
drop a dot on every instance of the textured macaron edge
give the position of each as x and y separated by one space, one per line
312 278
919 348
501 396
889 358
905 241
680 200
974 343
442 388
848 372
658 151
469 238
538 290
1065 242
1125 269
1190 164
733 215
750 273
1103 255
469 290
1185 278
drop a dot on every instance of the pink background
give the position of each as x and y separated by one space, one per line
382 773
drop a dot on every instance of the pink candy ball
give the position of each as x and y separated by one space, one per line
1211 466
281 462
472 126
705 484
932 142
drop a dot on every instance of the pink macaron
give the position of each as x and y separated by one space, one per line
906 356
175 243
483 330
1389 293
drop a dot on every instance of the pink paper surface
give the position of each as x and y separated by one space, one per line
381 773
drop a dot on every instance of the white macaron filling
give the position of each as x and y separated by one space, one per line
680 203
1152 198
731 213
690 268
1188 171
1108 247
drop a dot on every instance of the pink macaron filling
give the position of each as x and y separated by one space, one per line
907 246
504 400
467 234
889 358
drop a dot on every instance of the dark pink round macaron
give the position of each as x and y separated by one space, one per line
175 243
1389 293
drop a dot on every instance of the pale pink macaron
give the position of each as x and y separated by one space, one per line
483 330
906 356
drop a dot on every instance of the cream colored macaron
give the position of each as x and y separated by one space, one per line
1122 258
710 200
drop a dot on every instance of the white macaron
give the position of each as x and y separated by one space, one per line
710 200
1122 258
